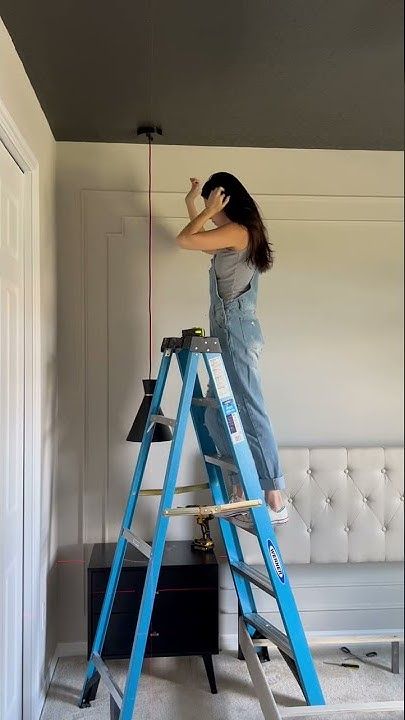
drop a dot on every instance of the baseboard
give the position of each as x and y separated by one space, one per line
51 669
61 650
71 649
229 642
37 710
38 706
380 632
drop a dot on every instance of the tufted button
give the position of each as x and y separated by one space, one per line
346 471
383 529
365 500
384 471
309 530
347 529
328 500
290 500
309 471
401 497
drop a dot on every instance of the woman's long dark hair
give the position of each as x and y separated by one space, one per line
242 209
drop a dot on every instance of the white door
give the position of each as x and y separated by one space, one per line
11 434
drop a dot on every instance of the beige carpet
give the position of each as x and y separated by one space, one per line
177 688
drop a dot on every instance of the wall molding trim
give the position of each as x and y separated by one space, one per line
278 208
328 212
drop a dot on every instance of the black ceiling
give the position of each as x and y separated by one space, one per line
263 73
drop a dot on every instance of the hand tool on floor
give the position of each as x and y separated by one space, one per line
347 651
342 664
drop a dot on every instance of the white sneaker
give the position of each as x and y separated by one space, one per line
279 517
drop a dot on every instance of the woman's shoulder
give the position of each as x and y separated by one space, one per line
239 237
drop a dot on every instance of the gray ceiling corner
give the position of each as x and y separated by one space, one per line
242 73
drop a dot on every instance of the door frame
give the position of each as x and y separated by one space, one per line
33 603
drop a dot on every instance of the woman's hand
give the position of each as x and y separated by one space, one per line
194 191
217 201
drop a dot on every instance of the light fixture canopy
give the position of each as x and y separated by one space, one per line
149 130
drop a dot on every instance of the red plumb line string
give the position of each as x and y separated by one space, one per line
150 258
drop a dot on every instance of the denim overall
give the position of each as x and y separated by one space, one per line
236 326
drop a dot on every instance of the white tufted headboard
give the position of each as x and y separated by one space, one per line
346 506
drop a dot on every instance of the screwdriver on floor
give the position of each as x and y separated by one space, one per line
342 664
347 651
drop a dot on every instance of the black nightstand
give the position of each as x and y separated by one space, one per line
185 615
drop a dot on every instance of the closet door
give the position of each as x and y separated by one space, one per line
11 434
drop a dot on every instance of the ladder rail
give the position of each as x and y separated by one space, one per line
243 459
219 491
288 609
155 562
121 547
109 681
265 696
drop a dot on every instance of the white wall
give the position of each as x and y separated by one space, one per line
21 102
330 309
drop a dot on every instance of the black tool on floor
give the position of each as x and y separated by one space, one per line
343 664
347 651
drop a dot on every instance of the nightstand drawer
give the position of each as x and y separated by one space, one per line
130 579
130 586
188 577
125 600
170 577
185 622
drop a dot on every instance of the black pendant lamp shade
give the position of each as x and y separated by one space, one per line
162 433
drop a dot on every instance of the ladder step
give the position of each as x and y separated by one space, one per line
182 489
137 542
254 576
205 402
223 462
162 420
210 511
109 681
270 632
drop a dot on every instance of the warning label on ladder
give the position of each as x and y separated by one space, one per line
220 378
233 420
225 395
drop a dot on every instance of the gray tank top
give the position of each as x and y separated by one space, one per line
233 273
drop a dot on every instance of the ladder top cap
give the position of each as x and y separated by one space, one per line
194 343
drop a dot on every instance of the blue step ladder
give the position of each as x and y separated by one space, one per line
293 646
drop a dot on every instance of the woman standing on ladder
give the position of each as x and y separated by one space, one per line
241 251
